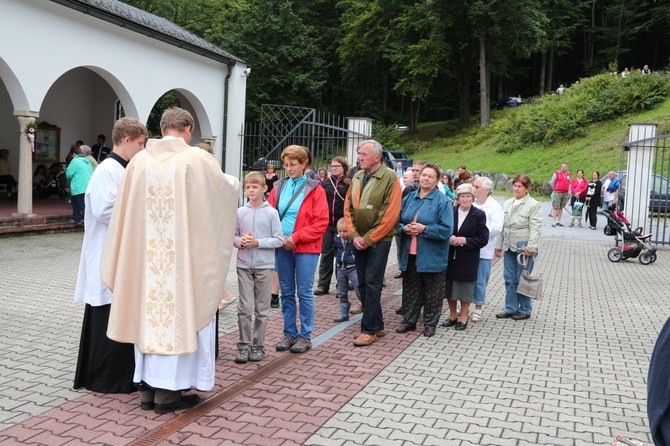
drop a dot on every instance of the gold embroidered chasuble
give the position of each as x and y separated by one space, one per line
168 247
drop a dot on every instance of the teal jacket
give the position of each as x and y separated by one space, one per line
78 173
436 212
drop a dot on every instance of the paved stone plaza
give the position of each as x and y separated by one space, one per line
573 374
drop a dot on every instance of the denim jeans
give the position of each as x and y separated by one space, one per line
78 207
371 266
296 274
515 302
483 274
344 276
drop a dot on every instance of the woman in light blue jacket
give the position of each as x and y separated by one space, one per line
426 223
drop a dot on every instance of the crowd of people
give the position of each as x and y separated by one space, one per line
150 314
584 196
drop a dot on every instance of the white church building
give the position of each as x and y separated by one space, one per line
75 66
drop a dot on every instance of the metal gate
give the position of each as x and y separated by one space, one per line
644 193
325 134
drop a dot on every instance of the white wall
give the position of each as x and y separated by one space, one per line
42 41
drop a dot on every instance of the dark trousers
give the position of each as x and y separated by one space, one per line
327 257
370 267
592 214
78 206
422 290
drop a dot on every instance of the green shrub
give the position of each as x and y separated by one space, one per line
595 99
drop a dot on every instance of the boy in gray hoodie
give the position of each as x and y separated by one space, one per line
257 234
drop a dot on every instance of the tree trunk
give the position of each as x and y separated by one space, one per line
550 70
484 87
415 116
543 71
463 80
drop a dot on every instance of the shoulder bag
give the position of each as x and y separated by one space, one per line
529 286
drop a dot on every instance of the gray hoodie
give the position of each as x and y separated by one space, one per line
263 222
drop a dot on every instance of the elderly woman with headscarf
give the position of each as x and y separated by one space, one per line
470 235
494 222
426 225
520 234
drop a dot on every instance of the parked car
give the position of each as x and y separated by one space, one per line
391 157
509 101
261 163
659 196
400 127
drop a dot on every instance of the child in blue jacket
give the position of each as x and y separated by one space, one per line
343 249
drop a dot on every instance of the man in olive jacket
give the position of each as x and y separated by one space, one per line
372 209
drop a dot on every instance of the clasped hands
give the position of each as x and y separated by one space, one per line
413 229
457 241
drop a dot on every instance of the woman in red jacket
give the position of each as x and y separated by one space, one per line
578 188
303 211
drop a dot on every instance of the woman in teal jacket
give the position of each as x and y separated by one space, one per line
78 173
426 223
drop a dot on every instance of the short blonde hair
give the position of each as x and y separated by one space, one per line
129 127
341 223
255 178
294 152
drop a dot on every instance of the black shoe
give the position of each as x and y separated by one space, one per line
449 323
400 311
429 332
398 275
504 315
147 405
521 316
184 402
404 328
320 291
274 302
460 326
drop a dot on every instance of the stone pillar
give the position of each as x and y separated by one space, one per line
24 207
360 129
638 181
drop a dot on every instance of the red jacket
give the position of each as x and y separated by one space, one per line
579 189
312 219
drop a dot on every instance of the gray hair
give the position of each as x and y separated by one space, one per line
85 150
376 147
486 183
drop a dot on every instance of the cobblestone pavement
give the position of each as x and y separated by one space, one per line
573 374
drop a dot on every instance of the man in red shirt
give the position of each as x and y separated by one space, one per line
560 182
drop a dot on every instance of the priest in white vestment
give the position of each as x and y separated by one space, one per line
167 255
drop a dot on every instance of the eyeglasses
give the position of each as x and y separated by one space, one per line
287 165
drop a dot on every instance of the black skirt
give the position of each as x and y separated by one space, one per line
103 365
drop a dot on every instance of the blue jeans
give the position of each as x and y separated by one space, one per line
344 276
296 271
515 302
78 207
483 274
370 267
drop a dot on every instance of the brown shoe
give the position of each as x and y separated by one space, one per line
364 339
301 346
286 343
379 334
356 309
